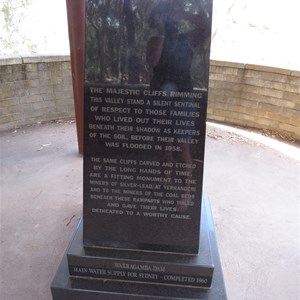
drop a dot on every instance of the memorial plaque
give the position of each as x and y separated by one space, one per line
144 128
147 231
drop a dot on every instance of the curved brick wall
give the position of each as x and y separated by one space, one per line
35 89
39 88
255 96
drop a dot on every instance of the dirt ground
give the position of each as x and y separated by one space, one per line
254 192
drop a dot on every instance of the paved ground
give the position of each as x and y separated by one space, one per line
254 191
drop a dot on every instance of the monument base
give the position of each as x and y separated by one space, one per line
98 273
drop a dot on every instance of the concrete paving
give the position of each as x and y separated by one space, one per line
254 192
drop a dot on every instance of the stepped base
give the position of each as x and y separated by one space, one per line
108 274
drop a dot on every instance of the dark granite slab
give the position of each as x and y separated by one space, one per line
144 123
143 266
65 287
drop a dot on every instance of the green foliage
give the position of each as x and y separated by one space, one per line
12 41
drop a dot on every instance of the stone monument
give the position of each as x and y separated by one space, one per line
147 230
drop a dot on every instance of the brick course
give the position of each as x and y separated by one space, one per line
35 89
255 96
